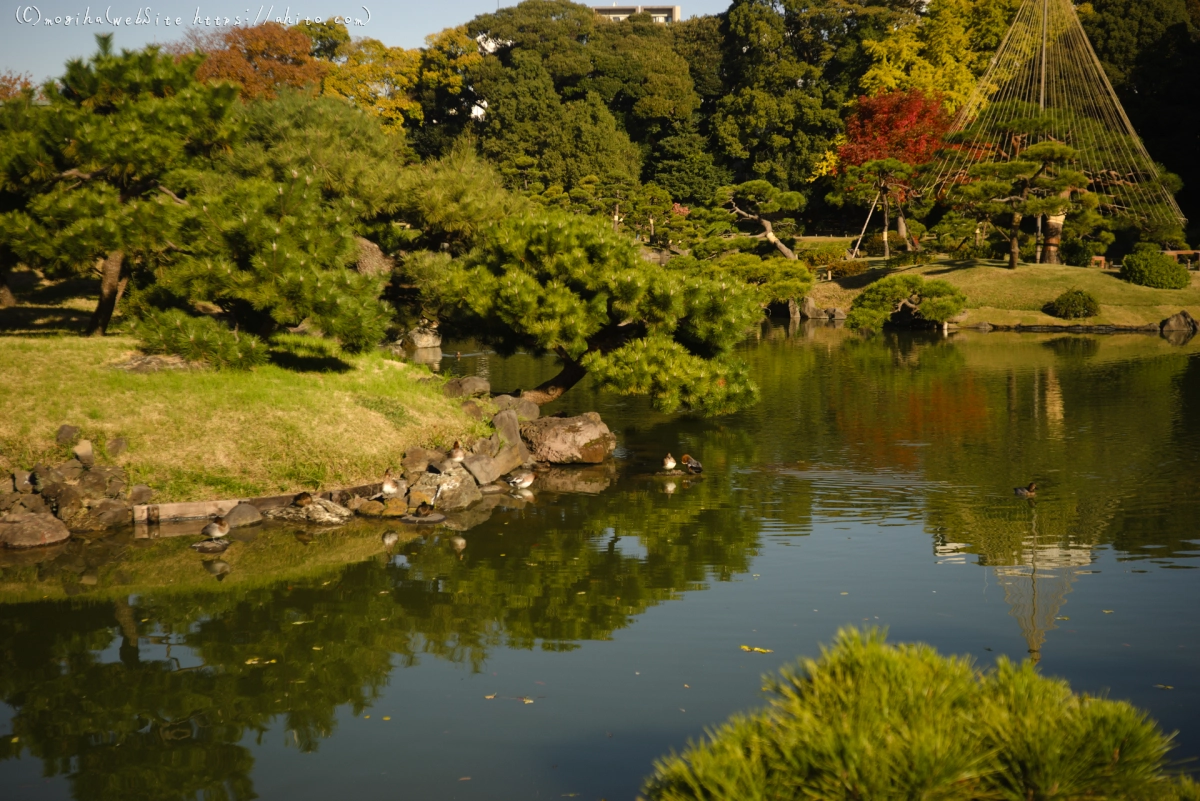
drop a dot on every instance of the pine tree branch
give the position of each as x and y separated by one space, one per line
180 201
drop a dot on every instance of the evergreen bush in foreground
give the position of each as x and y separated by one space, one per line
1147 268
199 339
873 721
1075 304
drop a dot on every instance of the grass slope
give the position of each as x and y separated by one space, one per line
1000 296
325 420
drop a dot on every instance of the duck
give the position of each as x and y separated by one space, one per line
424 509
668 462
390 487
691 464
459 544
521 479
303 499
457 454
216 529
1026 492
218 568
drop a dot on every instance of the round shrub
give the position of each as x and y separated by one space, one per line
846 269
1074 304
868 720
873 244
1156 270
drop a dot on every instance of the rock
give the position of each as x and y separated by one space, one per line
569 440
243 514
31 530
473 410
370 509
835 314
44 475
8 500
140 494
66 434
488 446
93 484
103 514
466 387
71 469
394 507
1180 322
65 500
33 504
423 338
22 481
115 447
116 487
84 453
525 408
509 428
417 460
961 317
320 511
453 489
487 469
494 489
355 502
372 260
809 310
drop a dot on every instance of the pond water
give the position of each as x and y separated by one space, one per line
578 637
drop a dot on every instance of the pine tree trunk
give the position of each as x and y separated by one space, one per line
1054 228
110 292
571 374
7 298
902 229
887 223
1014 242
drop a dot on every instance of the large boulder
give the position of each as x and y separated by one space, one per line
810 311
244 514
31 530
509 428
466 387
569 440
525 408
417 460
453 489
486 469
66 501
422 338
1180 322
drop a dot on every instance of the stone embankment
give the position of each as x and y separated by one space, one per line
45 505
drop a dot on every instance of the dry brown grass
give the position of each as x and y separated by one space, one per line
197 435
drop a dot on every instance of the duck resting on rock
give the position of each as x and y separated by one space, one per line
668 462
390 487
457 454
215 533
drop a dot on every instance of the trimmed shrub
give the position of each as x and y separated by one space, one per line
823 255
935 301
1074 304
869 720
846 269
199 339
873 244
1157 270
909 259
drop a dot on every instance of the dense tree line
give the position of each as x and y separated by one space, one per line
238 183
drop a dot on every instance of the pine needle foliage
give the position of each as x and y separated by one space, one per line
775 280
935 301
868 720
199 339
567 285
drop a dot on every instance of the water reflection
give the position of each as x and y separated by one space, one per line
137 668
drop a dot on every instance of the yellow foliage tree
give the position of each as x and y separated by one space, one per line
380 80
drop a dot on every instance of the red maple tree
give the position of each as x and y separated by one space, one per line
909 126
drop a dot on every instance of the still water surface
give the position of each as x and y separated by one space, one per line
871 486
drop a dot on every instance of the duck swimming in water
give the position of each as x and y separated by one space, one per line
216 529
1026 492
457 454
668 462
691 464
521 479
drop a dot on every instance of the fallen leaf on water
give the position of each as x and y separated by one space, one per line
1062 617
686 687
386 717
1109 611
464 778
317 647
491 697
845 593
527 700
366 717
16 739
756 650
1164 686
300 622
252 660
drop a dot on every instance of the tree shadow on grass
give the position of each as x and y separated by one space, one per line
952 265
42 321
307 354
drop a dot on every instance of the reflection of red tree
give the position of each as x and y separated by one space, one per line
876 426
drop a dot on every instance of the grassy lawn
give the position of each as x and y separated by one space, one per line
1001 296
327 420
